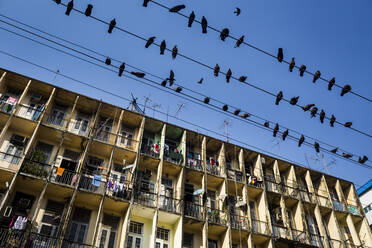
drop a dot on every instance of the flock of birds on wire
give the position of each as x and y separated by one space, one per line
223 35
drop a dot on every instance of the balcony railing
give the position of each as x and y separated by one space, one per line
253 181
353 209
323 201
316 240
35 168
92 182
170 204
260 227
57 121
290 189
299 236
10 158
104 136
305 196
194 164
334 243
173 157
146 198
119 188
24 239
6 106
70 244
273 187
78 128
234 175
28 112
239 222
338 206
63 176
151 151
127 143
216 216
193 210
280 231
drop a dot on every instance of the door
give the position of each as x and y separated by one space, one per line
166 192
126 137
57 117
81 125
78 232
33 111
104 237
104 130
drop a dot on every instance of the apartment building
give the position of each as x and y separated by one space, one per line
365 195
78 172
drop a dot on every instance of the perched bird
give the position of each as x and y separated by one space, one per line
348 124
302 70
145 2
58 1
301 140
171 78
225 107
178 89
332 121
313 112
224 34
280 55
317 147
216 70
236 112
163 45
276 129
322 115
363 160
294 100
346 155
150 41
177 8
111 26
345 89
121 69
204 24
228 75
307 107
334 150
331 83
239 41
237 11
242 79
292 64
164 83
245 115
174 52
88 10
138 74
70 6
108 61
191 19
201 81
285 134
267 124
279 97
316 76
206 100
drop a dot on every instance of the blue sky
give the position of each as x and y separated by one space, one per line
330 36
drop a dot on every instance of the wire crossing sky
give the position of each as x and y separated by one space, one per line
324 41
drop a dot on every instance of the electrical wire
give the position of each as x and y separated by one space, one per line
184 96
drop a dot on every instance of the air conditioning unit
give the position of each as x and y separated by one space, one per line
18 140
278 216
36 97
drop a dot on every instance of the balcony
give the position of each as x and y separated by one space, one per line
30 112
146 198
234 175
173 157
92 182
253 181
338 206
126 143
353 209
280 231
104 136
71 244
239 222
216 216
291 190
119 188
35 168
260 227
7 106
299 236
56 120
194 164
10 158
63 176
323 201
273 186
334 243
170 204
306 196
79 127
152 151
316 240
16 238
193 210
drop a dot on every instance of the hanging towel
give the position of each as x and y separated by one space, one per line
74 178
60 171
96 180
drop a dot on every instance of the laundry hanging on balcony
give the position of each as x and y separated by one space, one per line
60 171
96 180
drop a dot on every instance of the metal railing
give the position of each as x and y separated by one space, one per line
334 243
119 188
323 201
273 187
353 209
127 143
104 136
299 236
35 168
305 196
280 231
234 175
290 189
6 107
92 182
338 206
28 112
58 122
146 198
10 158
260 227
173 157
64 176
193 210
170 204
316 240
194 164
239 222
213 169
77 128
71 244
216 216
253 181
10 238
150 151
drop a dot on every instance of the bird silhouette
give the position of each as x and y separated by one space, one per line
121 69
322 115
174 52
206 100
204 24
242 79
348 124
171 78
317 147
285 134
316 76
216 70
313 112
239 41
138 74
301 140
346 155
164 83
88 10
201 81
177 8
145 2
279 97
237 11
70 6
228 75
307 107
111 26
236 112
225 107
191 19
58 1
345 89
163 45
334 150
294 100
331 83
276 129
224 34
363 160
302 70
178 89
108 61
280 55
292 64
332 121
267 124
245 115
150 41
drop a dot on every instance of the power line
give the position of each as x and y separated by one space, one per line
263 51
193 99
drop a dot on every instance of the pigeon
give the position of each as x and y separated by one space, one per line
332 121
307 107
321 116
245 115
138 74
267 124
70 6
346 155
150 41
206 100
177 8
216 70
111 26
316 146
313 112
171 78
331 83
58 1
292 64
191 19
301 140
237 11
279 97
225 107
294 100
178 89
236 112
88 10
174 52
228 76
108 61
316 76
363 160
164 83
145 2
201 81
239 41
242 79
302 70
334 150
163 45
276 129
285 134
204 24
280 55
224 34
345 89
348 124
121 69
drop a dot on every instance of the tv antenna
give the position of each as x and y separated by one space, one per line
226 124
147 99
154 107
134 106
181 106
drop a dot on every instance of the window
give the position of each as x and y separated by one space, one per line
211 199
126 136
51 218
212 243
162 233
134 239
135 227
94 163
13 153
57 117
188 240
252 208
235 246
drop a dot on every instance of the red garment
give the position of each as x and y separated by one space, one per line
157 147
212 161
